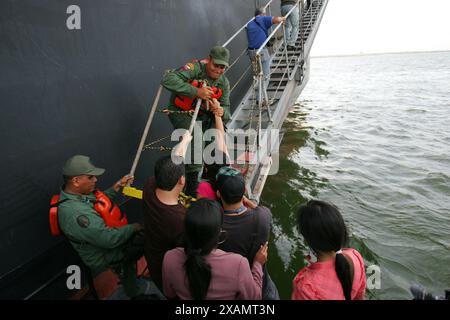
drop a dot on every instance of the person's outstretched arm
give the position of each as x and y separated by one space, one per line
180 149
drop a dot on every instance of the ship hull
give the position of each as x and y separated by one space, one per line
84 85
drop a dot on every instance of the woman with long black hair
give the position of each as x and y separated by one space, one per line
338 273
200 270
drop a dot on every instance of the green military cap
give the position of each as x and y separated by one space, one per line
79 165
220 55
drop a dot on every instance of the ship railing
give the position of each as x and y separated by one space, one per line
259 98
243 27
235 37
130 191
257 61
282 47
309 11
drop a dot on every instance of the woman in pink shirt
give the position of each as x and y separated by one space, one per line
338 273
200 271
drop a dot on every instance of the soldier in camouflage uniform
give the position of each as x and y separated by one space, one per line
100 247
180 83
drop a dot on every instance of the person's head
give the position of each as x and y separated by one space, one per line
230 185
203 223
210 170
219 60
168 174
324 231
80 174
260 11
322 226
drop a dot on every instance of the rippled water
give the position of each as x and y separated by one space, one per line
371 134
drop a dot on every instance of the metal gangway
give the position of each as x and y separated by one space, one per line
252 136
254 131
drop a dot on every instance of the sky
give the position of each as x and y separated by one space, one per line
374 26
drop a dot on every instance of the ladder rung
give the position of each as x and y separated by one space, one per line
279 79
272 107
275 88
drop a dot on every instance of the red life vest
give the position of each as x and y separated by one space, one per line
110 212
53 217
186 103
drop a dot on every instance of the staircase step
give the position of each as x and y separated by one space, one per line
278 79
249 106
275 88
247 110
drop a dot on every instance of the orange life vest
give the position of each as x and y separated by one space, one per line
186 103
110 212
53 217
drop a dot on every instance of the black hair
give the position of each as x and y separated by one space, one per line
259 11
324 230
228 195
66 180
202 224
210 170
167 173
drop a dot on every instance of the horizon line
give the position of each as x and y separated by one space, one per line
375 53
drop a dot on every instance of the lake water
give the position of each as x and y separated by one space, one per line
370 134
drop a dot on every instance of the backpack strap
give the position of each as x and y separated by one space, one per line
254 235
54 205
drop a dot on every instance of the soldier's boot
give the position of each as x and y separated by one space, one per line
191 184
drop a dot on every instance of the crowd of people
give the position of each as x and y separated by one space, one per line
214 249
216 246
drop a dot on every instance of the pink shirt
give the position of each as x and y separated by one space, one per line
319 280
205 190
231 277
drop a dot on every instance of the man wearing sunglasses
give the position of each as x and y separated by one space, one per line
199 79
100 246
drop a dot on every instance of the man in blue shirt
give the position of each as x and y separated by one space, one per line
257 33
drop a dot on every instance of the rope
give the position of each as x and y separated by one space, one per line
234 62
160 148
167 111
239 80
279 85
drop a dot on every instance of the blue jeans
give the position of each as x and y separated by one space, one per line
265 62
292 23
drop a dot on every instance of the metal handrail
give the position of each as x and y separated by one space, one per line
276 29
258 52
243 27
310 11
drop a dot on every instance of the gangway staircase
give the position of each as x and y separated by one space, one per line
253 133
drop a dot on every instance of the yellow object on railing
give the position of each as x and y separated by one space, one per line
132 192
186 200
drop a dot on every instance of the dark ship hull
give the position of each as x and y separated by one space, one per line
86 91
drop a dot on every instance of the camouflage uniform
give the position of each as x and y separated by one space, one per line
100 247
178 82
